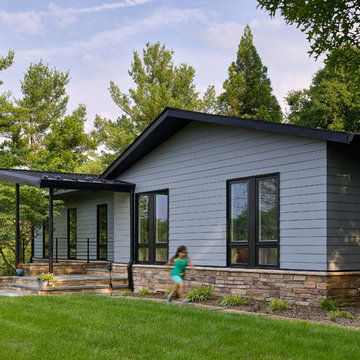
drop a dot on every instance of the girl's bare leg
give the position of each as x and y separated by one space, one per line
173 291
181 290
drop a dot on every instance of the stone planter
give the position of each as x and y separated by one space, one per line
43 284
19 272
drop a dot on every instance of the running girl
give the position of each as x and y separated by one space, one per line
180 262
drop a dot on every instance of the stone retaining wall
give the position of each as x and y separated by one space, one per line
296 287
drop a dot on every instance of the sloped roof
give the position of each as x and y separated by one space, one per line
171 120
59 180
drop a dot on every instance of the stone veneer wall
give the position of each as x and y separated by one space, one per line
296 287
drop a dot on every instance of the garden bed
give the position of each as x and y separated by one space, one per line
308 313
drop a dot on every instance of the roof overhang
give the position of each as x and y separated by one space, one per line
171 120
41 179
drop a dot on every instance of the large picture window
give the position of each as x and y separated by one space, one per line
253 221
152 227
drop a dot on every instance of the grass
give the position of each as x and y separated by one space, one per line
90 327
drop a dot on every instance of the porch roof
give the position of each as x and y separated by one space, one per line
59 180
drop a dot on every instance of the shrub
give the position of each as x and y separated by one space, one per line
278 304
232 300
200 294
145 292
175 296
329 304
127 292
334 314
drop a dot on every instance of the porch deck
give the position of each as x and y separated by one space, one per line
70 277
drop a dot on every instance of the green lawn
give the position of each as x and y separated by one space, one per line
90 327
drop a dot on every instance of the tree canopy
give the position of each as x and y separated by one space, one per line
332 102
248 91
330 26
159 83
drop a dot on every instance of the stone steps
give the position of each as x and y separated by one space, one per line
67 284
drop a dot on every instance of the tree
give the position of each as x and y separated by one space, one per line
248 91
159 84
38 135
330 26
332 102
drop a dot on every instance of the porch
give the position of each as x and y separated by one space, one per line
70 277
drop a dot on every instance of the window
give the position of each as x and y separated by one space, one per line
152 227
253 221
45 240
72 233
102 232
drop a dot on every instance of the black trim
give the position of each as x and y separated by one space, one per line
252 202
171 120
152 246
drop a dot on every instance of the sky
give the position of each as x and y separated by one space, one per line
95 41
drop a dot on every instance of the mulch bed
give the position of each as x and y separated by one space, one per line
308 313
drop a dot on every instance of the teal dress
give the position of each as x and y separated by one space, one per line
178 271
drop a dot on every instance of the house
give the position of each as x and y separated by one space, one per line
266 210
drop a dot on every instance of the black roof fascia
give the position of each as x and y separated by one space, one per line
154 135
43 180
172 120
79 185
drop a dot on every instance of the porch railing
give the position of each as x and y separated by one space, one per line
88 248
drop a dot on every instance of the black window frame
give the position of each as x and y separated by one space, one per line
152 214
68 234
98 244
253 229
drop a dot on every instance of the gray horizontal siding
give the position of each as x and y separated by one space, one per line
343 208
196 163
86 211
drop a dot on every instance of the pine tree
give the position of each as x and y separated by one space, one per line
248 91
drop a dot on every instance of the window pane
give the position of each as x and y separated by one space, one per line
267 210
161 255
239 255
161 223
143 220
72 233
268 256
143 254
239 212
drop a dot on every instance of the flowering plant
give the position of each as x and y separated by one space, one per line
19 265
46 276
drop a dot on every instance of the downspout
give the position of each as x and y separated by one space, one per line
132 241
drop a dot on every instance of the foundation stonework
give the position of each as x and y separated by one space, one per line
296 287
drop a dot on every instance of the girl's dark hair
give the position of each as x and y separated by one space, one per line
180 249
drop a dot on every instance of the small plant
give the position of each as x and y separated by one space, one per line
127 292
175 296
278 304
232 300
334 314
145 292
19 265
329 304
200 294
46 276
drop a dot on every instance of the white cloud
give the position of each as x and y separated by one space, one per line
27 22
226 35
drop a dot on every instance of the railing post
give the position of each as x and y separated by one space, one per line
56 244
88 250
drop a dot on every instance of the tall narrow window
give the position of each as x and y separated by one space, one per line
253 221
46 240
102 232
152 228
72 233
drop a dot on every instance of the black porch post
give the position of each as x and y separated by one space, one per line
51 191
17 230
